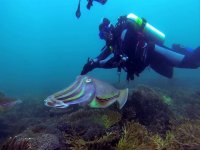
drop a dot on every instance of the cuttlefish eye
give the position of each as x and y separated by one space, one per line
88 80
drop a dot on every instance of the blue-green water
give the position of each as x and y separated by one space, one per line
43 46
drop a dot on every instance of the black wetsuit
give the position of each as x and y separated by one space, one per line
133 52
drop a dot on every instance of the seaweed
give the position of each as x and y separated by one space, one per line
109 118
163 143
135 136
107 141
188 132
104 117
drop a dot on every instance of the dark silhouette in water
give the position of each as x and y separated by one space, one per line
7 102
133 44
89 5
78 11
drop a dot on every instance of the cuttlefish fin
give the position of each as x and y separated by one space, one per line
122 98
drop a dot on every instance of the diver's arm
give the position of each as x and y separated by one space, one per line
106 51
98 62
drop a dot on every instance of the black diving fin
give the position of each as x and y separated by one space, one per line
78 11
191 60
163 69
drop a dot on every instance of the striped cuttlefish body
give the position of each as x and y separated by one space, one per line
88 91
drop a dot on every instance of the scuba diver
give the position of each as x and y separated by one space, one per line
133 44
89 5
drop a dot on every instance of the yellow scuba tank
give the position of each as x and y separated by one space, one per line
148 30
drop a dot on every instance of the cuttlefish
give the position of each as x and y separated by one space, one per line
6 102
88 91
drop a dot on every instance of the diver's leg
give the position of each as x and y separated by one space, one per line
182 49
192 60
169 56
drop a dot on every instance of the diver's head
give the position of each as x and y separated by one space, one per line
106 30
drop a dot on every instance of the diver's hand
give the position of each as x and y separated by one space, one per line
89 66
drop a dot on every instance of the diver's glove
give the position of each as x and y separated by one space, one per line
89 66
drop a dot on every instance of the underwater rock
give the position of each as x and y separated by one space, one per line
104 117
84 128
45 142
37 142
41 135
186 103
53 112
4 131
93 132
148 108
